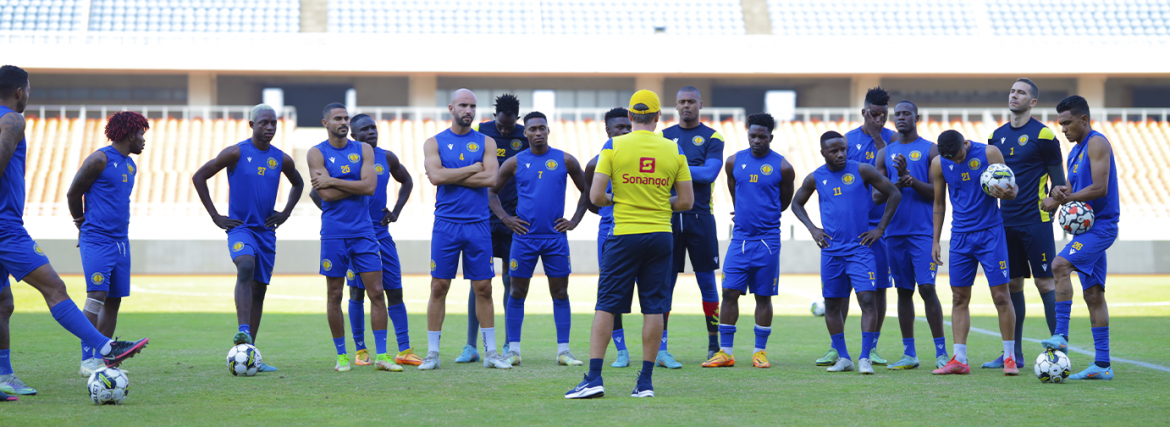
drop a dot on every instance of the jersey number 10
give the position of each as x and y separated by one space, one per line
754 178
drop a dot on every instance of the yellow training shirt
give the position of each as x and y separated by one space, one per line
642 168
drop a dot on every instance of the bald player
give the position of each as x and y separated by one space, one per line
461 163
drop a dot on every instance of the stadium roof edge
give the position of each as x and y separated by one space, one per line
740 56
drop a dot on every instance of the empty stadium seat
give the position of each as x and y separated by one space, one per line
268 16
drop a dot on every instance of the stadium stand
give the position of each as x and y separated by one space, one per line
857 18
592 17
268 16
43 15
1093 18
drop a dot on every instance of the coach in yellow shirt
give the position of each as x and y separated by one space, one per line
643 167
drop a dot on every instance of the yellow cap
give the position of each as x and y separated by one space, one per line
644 102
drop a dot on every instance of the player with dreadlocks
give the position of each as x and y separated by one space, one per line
510 139
106 179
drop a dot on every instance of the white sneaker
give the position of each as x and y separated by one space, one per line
90 365
842 365
492 359
431 362
865 366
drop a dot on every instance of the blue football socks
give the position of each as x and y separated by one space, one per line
1063 312
1101 344
619 339
647 372
762 333
940 346
839 345
514 318
357 323
245 328
867 340
663 347
397 315
70 318
727 338
380 341
563 318
5 362
908 347
1049 299
340 344
86 352
594 368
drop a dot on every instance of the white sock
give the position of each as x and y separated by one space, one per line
562 347
106 349
757 350
433 338
727 350
489 339
514 346
1009 350
961 353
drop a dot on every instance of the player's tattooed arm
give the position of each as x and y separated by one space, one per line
940 206
590 168
439 175
486 177
1099 151
405 186
318 172
573 167
787 182
289 169
226 159
807 188
89 172
729 168
514 223
995 156
11 133
882 185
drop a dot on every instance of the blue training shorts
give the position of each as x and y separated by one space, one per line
845 273
19 254
391 269
752 266
473 240
552 251
359 252
1087 254
983 247
259 243
106 264
641 258
885 276
695 234
910 261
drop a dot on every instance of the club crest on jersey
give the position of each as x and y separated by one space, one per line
848 179
472 147
974 164
432 265
327 264
551 165
130 168
37 249
766 169
271 162
354 158
349 274
238 246
516 144
379 169
512 264
97 278
915 155
698 140
1023 139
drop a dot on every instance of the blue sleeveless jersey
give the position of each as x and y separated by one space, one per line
915 215
844 214
12 185
377 202
507 146
348 217
862 149
540 186
457 203
107 203
253 183
1106 210
757 196
605 212
972 209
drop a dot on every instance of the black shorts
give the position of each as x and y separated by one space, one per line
1030 250
502 244
696 234
630 260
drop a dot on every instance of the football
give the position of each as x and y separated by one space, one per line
1076 218
1052 366
997 174
108 386
244 360
817 307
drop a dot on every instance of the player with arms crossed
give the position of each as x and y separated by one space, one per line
343 174
386 165
1092 179
22 258
907 164
694 230
457 163
863 145
106 179
1031 150
617 123
254 167
847 241
760 195
540 174
644 167
510 140
977 238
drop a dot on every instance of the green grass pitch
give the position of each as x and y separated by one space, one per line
181 378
